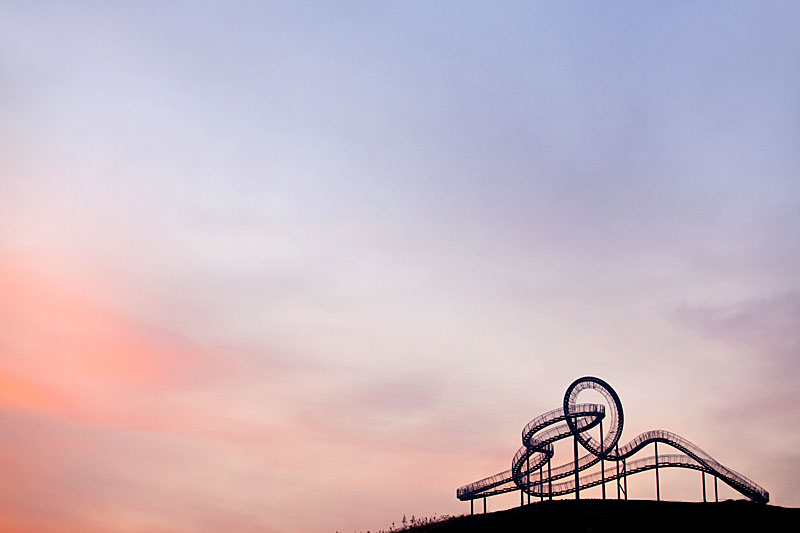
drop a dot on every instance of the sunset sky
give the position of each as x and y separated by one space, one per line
288 266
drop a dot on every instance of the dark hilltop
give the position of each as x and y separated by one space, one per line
619 516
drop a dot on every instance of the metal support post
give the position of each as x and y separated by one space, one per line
549 481
616 452
658 487
625 477
602 462
529 480
541 485
521 497
471 507
704 487
716 494
484 505
577 479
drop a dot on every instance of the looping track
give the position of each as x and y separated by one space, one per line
575 420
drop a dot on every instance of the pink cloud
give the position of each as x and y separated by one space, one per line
109 422
118 425
70 354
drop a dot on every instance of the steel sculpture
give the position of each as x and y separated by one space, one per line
532 473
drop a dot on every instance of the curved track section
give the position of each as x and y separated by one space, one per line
532 472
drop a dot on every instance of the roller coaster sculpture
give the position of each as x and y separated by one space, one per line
531 471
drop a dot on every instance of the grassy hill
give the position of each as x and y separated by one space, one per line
633 515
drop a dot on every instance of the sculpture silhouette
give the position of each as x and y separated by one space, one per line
531 471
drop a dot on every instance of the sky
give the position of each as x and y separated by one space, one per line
311 266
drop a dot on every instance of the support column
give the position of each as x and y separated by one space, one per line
602 462
625 477
521 497
484 505
704 487
549 481
577 479
471 507
616 452
658 487
529 479
716 494
541 485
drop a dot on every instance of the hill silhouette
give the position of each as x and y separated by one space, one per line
620 515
